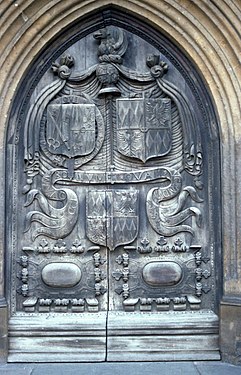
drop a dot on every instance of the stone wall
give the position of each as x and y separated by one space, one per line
208 32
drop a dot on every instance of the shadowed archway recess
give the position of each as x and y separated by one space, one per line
208 34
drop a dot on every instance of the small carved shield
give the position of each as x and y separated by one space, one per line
71 129
144 127
112 217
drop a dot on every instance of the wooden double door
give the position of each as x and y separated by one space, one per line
112 236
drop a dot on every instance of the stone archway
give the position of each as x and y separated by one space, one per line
167 15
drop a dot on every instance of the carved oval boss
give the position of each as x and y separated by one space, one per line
61 275
162 273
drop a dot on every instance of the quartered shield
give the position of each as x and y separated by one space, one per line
71 129
144 127
112 217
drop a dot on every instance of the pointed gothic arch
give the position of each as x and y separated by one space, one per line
112 15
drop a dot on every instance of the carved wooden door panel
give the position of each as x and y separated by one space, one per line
116 249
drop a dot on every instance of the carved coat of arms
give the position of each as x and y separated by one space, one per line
144 127
71 129
112 217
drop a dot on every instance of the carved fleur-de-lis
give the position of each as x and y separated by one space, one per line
24 275
162 245
125 274
145 242
198 258
178 242
178 246
117 274
99 289
124 258
24 290
24 261
199 289
145 248
206 273
206 288
98 260
43 246
198 273
77 247
162 241
60 246
125 291
202 273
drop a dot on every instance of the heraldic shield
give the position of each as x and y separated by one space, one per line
112 217
144 127
71 129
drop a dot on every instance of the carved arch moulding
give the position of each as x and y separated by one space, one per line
47 95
